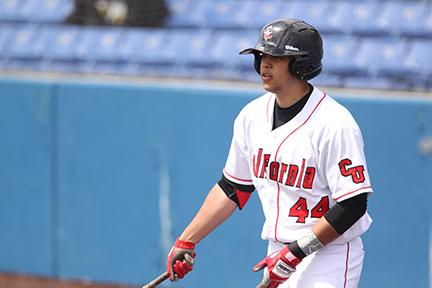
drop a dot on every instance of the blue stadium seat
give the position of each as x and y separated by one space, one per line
418 62
339 55
82 49
180 13
225 54
428 22
25 43
50 11
354 17
203 13
62 43
315 12
13 11
219 14
404 18
22 47
7 32
102 44
147 47
190 47
184 53
382 57
226 48
253 14
62 49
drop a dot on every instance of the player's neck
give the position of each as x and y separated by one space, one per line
291 94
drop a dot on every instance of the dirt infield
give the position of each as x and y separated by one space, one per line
20 281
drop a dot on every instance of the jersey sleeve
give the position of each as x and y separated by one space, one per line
345 164
237 165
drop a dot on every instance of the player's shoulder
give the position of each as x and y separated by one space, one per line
260 102
333 113
332 120
256 107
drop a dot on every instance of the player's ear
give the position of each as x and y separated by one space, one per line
291 65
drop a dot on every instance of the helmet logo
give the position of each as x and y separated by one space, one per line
268 33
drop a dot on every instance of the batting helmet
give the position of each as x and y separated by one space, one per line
290 37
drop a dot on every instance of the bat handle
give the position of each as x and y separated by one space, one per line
164 276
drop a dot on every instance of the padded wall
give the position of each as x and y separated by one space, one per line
97 180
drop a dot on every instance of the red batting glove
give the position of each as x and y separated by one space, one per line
177 267
280 265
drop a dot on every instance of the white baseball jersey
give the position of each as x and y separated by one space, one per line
302 168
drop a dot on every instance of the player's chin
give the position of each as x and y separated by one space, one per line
267 86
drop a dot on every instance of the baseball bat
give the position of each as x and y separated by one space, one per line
164 276
158 280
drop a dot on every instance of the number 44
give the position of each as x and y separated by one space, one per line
301 211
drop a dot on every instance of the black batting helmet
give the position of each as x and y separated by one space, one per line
290 37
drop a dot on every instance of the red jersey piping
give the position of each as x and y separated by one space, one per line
244 180
346 265
268 104
277 151
352 192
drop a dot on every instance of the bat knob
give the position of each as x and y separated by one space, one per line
189 259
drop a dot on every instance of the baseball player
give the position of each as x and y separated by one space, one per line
303 154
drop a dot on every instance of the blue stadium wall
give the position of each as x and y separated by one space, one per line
90 173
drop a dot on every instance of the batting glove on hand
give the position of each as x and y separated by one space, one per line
180 259
280 266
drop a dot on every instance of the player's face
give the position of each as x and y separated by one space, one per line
274 73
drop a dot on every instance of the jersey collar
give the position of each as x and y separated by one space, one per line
302 117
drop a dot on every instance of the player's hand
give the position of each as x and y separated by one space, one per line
178 263
280 265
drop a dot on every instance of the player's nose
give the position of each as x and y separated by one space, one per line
266 61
